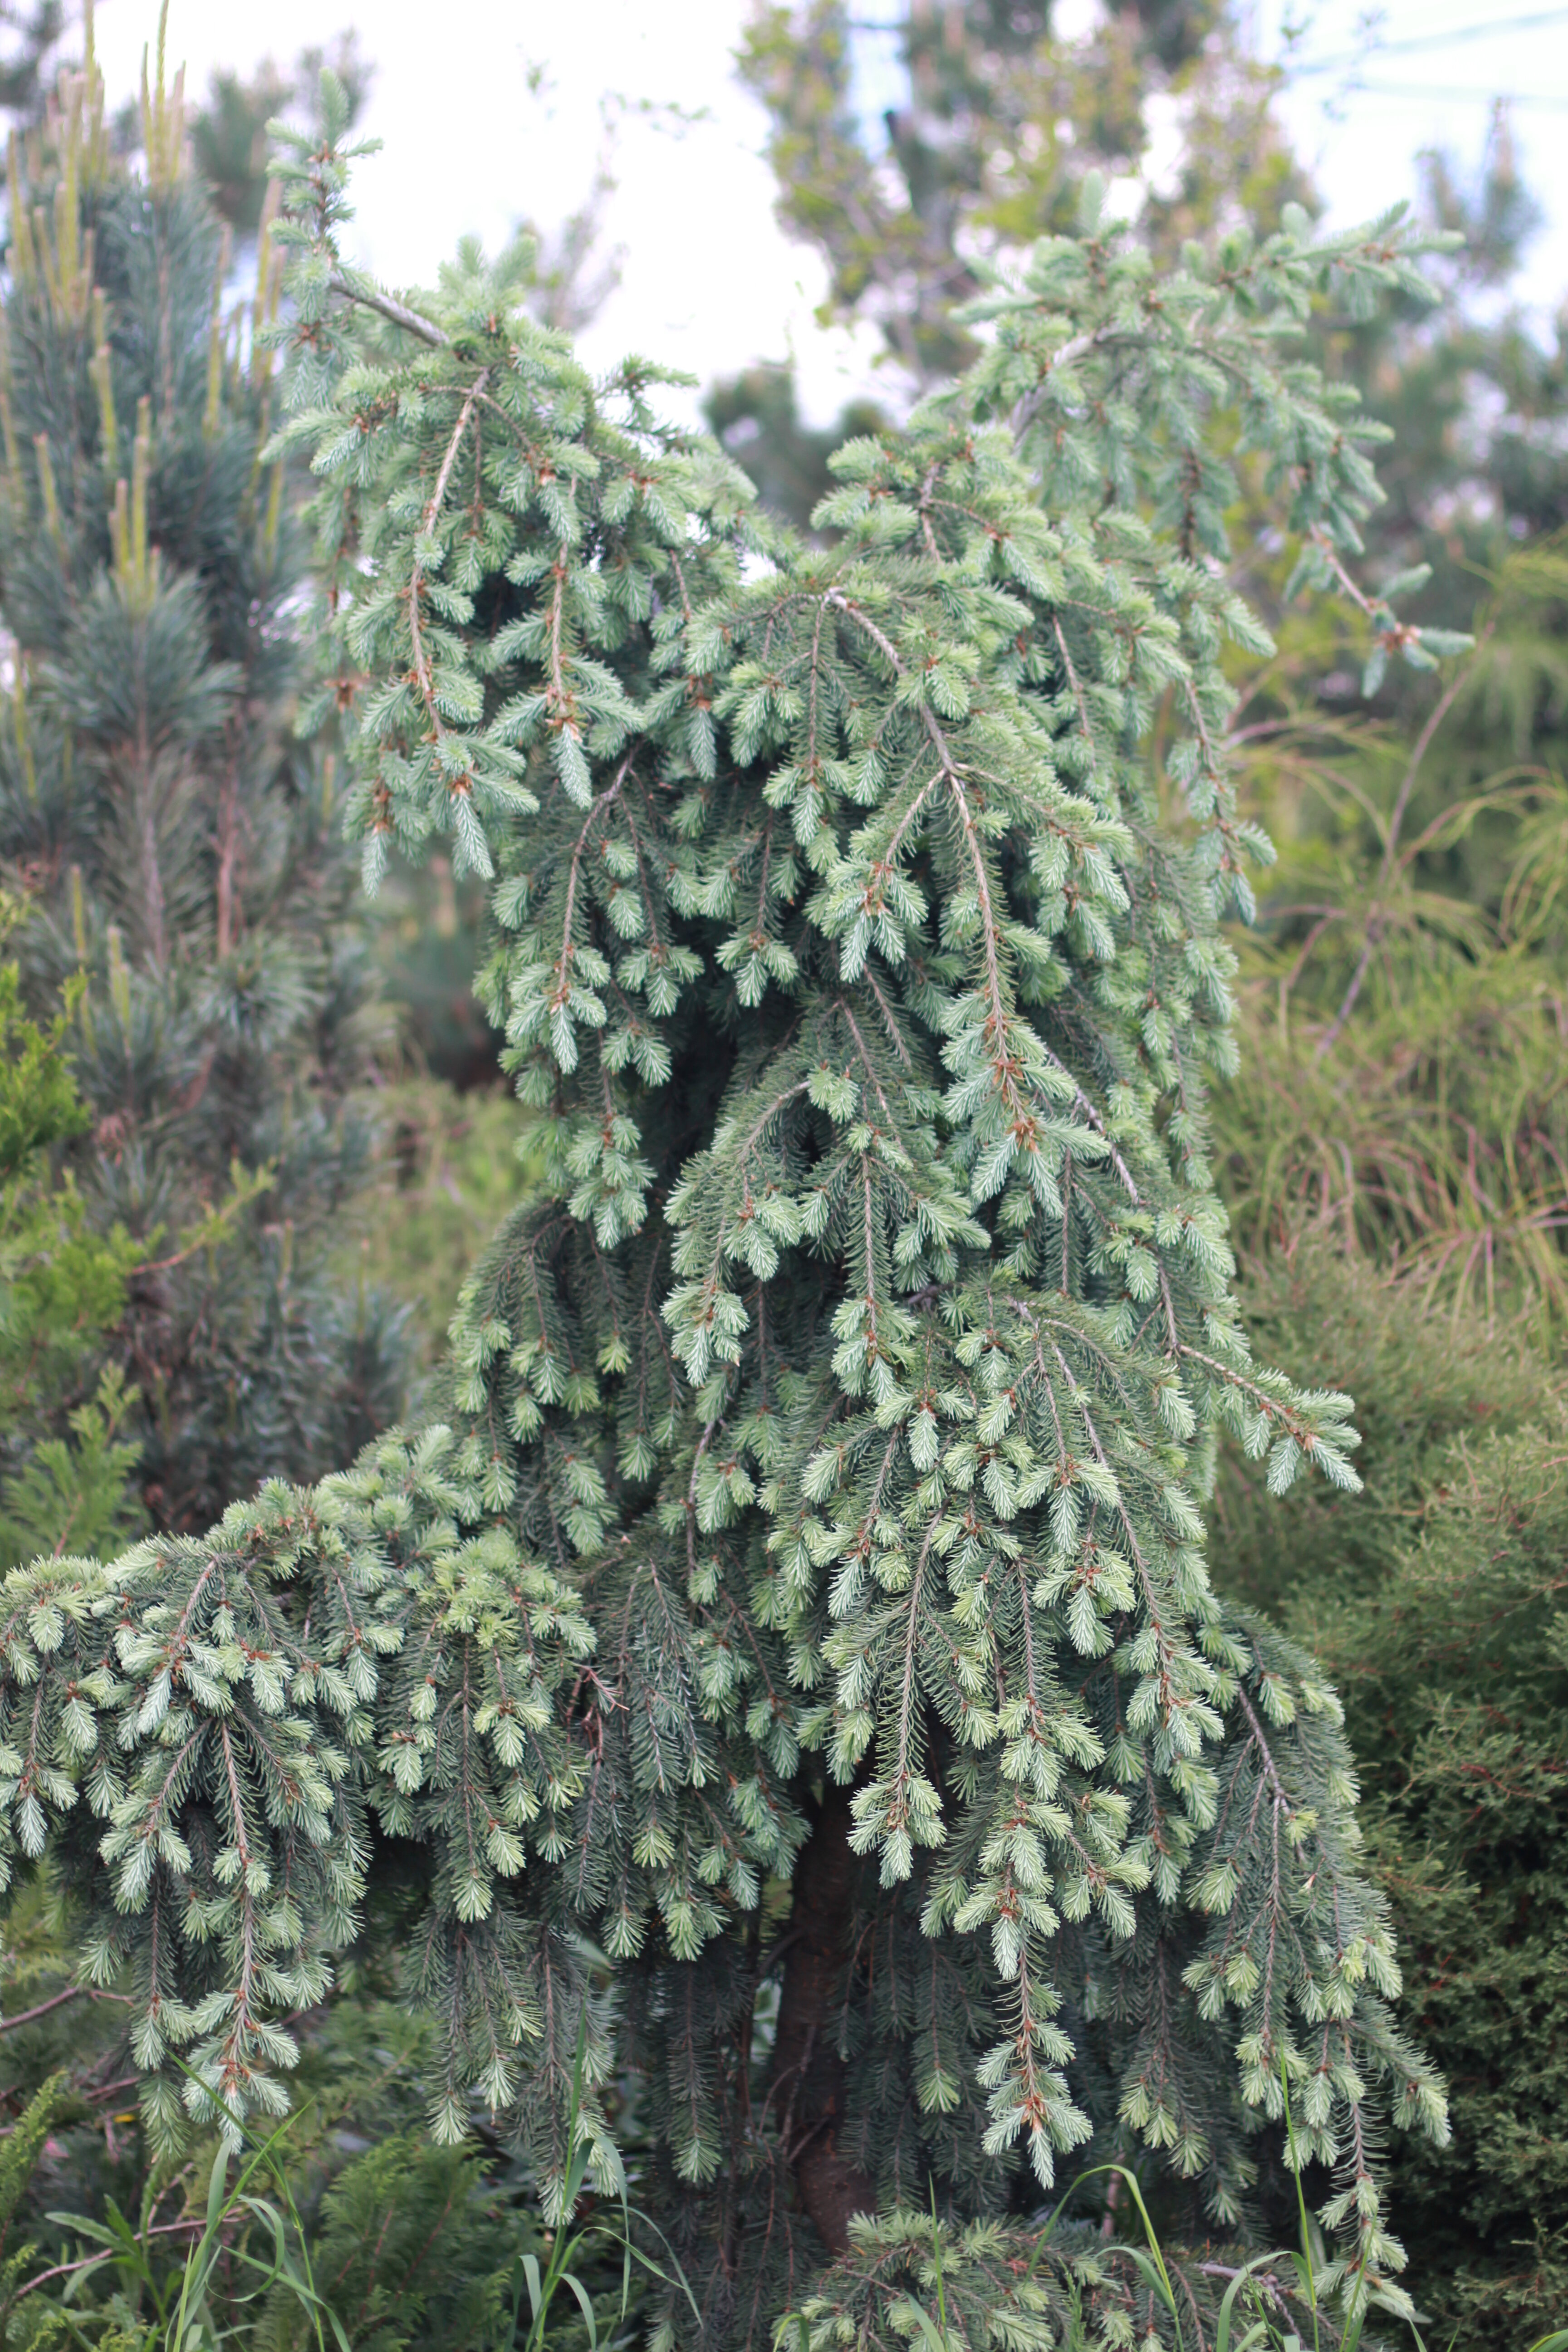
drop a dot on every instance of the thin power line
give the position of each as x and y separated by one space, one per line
1378 50
1450 92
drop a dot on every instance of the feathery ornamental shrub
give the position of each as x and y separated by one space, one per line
793 1660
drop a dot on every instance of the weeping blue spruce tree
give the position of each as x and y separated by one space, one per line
792 1661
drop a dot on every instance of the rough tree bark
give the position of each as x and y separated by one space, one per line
808 2072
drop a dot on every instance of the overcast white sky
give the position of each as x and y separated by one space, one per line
709 281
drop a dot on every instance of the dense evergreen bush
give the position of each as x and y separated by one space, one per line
1438 1601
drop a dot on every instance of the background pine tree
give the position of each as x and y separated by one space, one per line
178 846
29 42
998 120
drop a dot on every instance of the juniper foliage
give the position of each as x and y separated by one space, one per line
793 1659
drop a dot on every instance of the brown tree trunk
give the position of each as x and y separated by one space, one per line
808 2074
227 859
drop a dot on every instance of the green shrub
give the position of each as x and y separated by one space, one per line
1438 1602
64 1464
449 1167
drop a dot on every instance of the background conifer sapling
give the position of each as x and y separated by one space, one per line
177 845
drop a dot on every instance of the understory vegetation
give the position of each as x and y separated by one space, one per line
784 1247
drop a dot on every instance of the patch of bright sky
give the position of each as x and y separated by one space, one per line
1410 75
709 281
